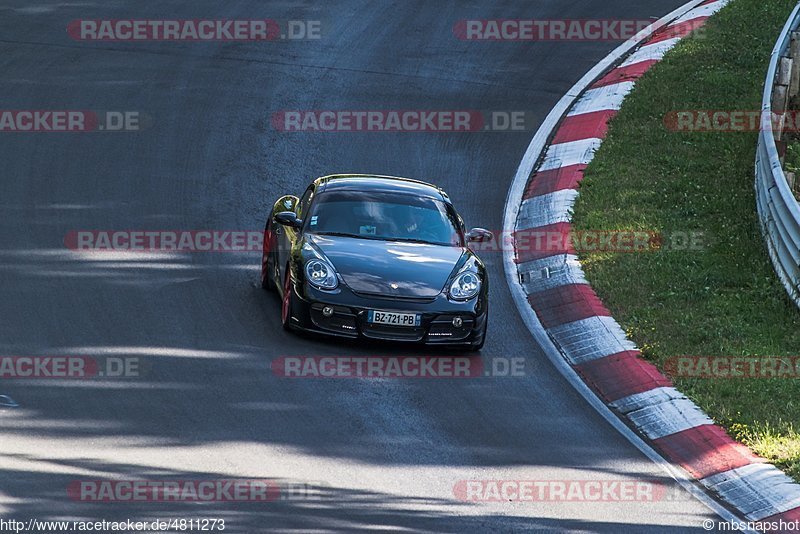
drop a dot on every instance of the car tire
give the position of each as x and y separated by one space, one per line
286 301
266 261
266 279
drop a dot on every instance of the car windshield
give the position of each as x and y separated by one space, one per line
384 216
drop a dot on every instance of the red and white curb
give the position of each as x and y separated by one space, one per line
592 349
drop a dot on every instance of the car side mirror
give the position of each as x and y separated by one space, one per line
479 235
288 218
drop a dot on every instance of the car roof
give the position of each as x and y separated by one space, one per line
375 182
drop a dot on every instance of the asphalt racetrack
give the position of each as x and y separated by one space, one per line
373 454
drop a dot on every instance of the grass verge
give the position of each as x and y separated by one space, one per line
723 299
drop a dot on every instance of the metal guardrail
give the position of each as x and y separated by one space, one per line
778 210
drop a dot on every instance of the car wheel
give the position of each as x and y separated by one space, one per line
266 260
266 278
286 302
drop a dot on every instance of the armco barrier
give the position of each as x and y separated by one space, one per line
778 210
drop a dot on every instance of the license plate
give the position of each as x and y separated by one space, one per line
393 318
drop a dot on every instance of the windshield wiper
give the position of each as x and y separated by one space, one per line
344 234
413 240
377 238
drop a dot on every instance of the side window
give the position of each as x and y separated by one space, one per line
305 202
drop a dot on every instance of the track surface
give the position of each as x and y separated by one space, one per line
388 452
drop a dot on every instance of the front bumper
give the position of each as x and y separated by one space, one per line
349 319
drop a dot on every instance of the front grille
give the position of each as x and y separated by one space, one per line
399 333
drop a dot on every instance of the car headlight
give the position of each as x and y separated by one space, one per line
465 286
321 275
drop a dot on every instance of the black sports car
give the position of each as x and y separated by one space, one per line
376 257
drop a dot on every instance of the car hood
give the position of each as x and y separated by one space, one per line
390 268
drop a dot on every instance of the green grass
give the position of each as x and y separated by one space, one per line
725 298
